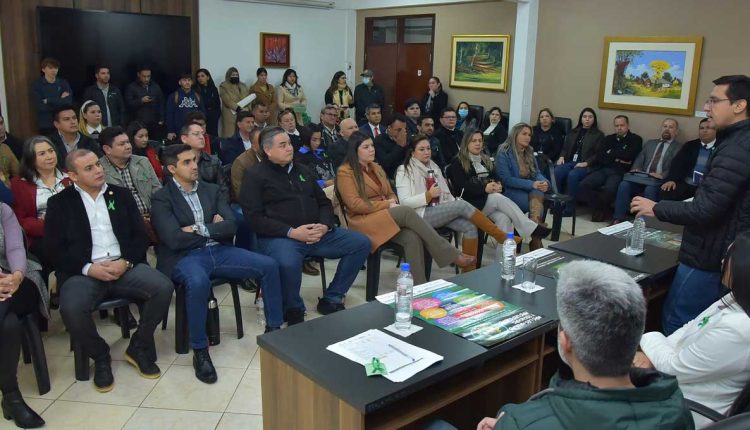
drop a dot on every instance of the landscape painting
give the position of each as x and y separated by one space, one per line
653 74
480 61
274 50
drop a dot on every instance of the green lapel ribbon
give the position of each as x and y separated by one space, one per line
375 367
111 205
703 322
301 178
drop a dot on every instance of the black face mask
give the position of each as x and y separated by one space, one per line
234 80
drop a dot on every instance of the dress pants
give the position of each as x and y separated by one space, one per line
24 301
79 295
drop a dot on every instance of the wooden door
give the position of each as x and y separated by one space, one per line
399 52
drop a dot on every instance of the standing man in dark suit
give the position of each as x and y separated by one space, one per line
67 138
365 94
97 243
196 227
146 102
108 97
372 127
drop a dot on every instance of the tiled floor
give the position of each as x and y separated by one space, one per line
177 400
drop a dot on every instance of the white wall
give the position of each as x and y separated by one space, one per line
322 42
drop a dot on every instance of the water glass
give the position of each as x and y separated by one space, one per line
629 239
528 274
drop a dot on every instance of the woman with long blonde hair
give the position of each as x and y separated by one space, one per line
519 172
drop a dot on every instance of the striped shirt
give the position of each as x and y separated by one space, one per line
191 197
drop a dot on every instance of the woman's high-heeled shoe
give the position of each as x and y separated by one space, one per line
16 409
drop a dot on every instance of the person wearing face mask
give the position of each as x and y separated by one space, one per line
265 94
232 90
494 131
205 86
466 118
366 94
434 100
602 315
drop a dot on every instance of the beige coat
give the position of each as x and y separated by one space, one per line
369 217
268 95
286 100
230 95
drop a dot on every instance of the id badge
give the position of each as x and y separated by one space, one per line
575 158
697 177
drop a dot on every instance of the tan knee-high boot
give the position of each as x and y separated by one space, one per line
469 247
485 224
536 206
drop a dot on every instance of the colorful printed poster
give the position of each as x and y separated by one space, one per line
475 316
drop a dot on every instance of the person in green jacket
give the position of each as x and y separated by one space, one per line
602 315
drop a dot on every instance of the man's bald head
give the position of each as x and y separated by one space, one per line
348 126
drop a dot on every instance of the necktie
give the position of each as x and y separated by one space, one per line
376 131
657 157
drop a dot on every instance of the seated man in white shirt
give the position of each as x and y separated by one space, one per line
97 242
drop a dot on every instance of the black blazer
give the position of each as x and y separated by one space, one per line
84 142
496 138
170 212
684 161
68 233
439 102
468 185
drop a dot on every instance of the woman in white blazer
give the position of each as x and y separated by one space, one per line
437 205
710 355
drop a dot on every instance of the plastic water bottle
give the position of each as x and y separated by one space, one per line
261 319
639 235
212 323
404 288
509 258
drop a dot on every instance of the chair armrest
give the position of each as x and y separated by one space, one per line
705 411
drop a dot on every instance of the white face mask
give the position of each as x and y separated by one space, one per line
366 80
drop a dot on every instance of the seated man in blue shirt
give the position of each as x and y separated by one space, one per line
196 228
689 165
294 219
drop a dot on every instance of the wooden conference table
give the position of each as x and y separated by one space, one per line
305 386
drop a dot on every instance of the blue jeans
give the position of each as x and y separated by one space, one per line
245 236
561 174
625 192
691 293
351 247
195 271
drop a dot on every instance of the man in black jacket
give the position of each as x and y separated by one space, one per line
613 159
146 102
108 97
196 227
97 242
365 94
689 165
720 210
390 147
448 135
294 219
68 138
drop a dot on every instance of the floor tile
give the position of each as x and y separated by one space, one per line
130 389
231 352
179 389
164 419
61 376
64 415
240 421
247 398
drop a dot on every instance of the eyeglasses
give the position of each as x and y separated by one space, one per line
197 133
712 101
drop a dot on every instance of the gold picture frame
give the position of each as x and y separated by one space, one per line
480 61
275 50
650 73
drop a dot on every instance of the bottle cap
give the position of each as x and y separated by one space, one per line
509 236
405 267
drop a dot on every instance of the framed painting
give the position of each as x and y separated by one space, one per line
650 74
274 50
480 61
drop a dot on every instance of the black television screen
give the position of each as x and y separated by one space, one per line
81 39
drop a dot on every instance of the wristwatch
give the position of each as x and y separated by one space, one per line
196 229
128 264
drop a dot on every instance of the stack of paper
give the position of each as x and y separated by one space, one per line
402 360
612 229
389 298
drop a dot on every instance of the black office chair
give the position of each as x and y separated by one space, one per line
565 124
555 201
478 112
737 418
80 355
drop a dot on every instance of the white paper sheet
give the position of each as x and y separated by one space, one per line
389 298
539 253
612 229
401 359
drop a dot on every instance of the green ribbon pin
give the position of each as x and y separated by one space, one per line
302 178
703 322
111 205
375 367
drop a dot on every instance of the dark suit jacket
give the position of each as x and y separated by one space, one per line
170 212
67 230
84 143
115 103
683 163
231 148
439 102
365 128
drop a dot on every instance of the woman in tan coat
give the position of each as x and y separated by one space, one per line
231 92
265 93
291 96
373 210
